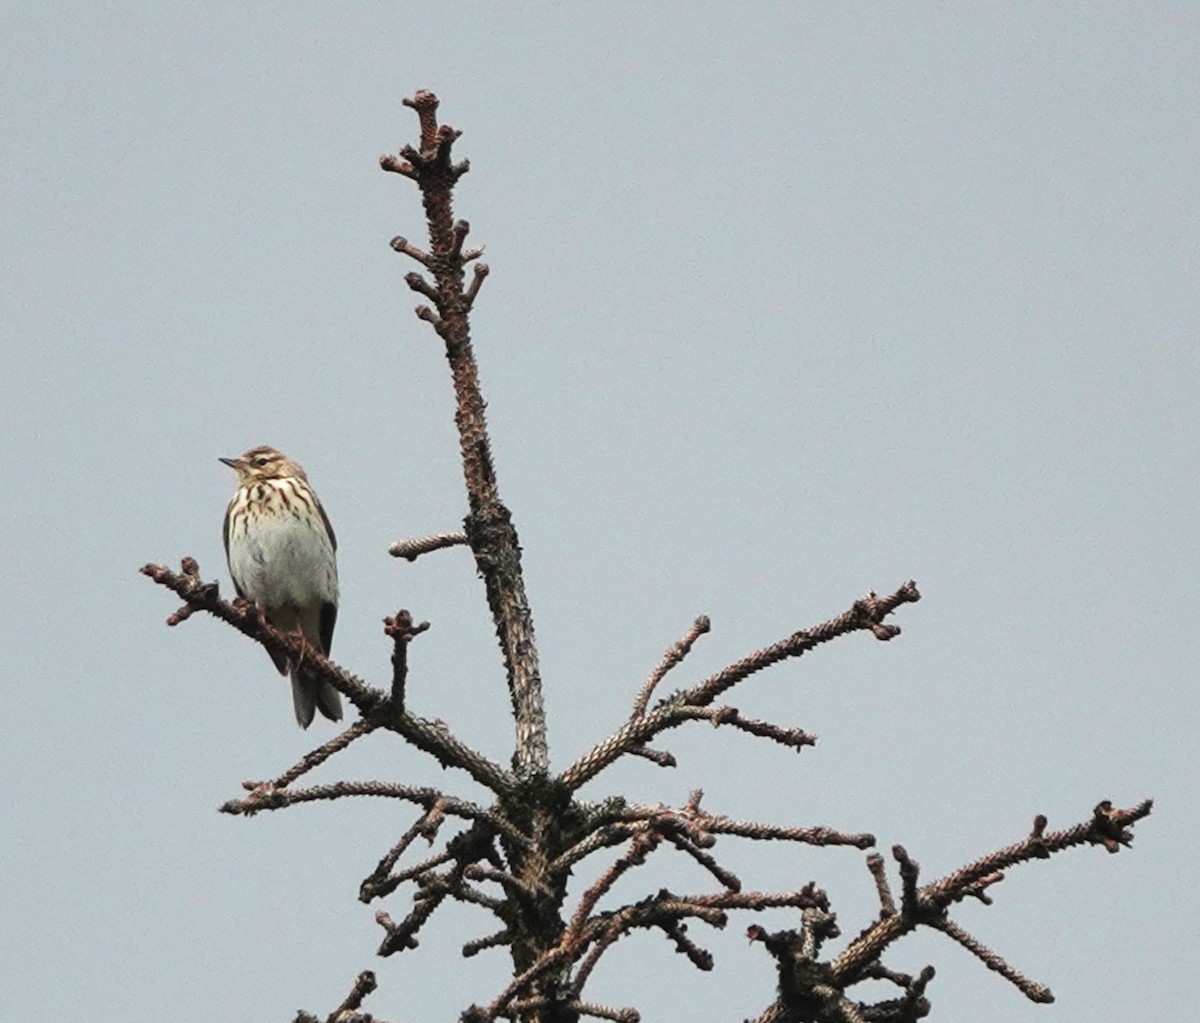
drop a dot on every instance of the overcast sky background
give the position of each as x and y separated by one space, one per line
786 304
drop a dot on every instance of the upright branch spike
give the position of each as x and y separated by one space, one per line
446 137
1036 835
477 278
363 986
817 925
425 103
909 871
402 631
461 230
887 904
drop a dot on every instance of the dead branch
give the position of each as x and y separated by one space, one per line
426 826
376 889
245 617
527 843
402 631
488 526
318 756
793 738
1031 989
413 548
432 737
267 797
865 614
927 906
675 653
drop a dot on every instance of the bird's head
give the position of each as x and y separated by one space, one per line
263 464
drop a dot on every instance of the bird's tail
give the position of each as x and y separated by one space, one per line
310 695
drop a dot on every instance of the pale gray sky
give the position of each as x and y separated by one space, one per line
786 304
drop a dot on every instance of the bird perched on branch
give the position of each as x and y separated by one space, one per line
282 556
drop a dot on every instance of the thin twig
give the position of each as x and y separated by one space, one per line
674 654
411 549
644 843
266 797
655 756
1031 989
793 738
480 872
700 958
724 877
318 756
605 1012
426 826
1108 826
369 890
865 614
500 938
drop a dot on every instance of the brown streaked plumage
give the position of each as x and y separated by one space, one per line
281 552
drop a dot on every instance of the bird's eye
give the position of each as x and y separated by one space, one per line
260 461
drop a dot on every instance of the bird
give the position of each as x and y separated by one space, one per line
282 555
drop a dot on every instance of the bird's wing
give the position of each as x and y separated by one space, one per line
329 530
328 620
225 538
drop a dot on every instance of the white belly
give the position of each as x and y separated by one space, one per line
283 562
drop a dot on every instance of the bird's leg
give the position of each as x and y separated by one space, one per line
299 632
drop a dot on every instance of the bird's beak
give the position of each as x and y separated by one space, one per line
233 463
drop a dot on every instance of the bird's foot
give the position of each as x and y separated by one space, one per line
298 631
